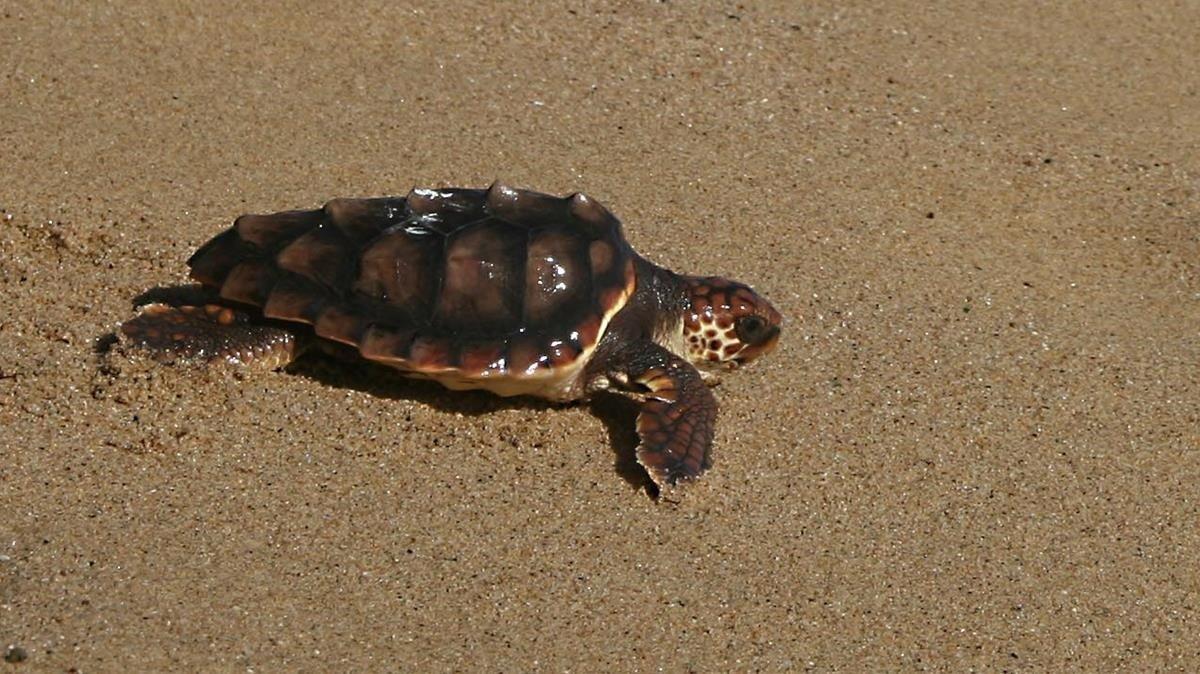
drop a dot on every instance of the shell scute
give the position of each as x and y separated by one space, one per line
526 354
213 261
361 220
323 254
482 359
249 282
422 201
271 231
481 284
601 255
587 331
524 208
500 199
340 324
442 211
387 344
429 353
556 276
401 272
295 298
594 217
561 351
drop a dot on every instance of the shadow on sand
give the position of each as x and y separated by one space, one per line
344 370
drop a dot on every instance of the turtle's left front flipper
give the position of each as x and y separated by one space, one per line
677 417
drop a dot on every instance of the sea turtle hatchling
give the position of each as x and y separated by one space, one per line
508 290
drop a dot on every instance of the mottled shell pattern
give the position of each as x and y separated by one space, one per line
503 289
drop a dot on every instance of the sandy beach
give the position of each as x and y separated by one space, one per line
977 447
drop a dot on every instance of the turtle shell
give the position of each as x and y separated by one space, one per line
476 288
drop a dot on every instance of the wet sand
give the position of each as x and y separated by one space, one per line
976 447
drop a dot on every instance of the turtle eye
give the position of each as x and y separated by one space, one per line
750 329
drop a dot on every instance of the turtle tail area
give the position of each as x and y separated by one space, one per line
206 335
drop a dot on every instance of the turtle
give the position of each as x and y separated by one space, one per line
509 290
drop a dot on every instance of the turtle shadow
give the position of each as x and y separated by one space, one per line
619 413
342 368
616 412
382 382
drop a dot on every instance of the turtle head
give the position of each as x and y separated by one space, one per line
727 323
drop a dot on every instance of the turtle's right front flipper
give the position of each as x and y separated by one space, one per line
677 416
207 334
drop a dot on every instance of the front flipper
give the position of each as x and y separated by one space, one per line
677 417
204 335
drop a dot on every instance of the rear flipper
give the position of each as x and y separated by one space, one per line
210 334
